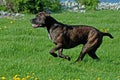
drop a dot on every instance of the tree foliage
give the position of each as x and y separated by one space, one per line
89 4
32 6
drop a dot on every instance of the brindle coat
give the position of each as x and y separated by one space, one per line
68 36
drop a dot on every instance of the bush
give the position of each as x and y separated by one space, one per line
11 6
32 6
2 7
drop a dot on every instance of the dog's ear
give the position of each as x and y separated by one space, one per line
47 14
43 13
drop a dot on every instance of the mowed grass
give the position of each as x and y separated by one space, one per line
24 51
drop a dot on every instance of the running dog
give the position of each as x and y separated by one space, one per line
69 36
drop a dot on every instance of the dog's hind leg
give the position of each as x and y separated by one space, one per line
93 55
86 48
83 52
62 55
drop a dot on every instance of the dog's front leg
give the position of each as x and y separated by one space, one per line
57 47
62 55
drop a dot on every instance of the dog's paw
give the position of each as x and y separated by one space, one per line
55 55
68 58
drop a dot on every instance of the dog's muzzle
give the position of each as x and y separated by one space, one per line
33 24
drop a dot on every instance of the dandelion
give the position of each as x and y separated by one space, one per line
3 78
106 30
98 78
24 79
33 74
11 22
16 77
28 76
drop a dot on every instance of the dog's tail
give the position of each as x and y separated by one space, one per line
107 34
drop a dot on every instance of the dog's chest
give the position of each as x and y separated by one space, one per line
53 38
53 35
49 36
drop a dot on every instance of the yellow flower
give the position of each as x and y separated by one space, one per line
17 78
3 78
98 78
24 79
28 76
11 22
36 78
106 30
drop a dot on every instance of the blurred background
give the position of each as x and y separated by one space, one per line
34 6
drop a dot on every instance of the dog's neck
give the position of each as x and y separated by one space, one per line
50 23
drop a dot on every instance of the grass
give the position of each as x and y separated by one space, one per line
24 51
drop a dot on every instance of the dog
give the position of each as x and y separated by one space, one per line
69 36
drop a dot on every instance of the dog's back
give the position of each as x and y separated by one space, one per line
72 35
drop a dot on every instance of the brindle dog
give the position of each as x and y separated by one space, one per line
68 36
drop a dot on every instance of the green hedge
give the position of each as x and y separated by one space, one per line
31 6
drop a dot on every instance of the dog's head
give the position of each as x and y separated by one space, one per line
39 20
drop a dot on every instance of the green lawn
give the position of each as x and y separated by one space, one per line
24 51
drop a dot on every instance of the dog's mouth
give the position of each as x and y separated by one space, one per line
35 25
